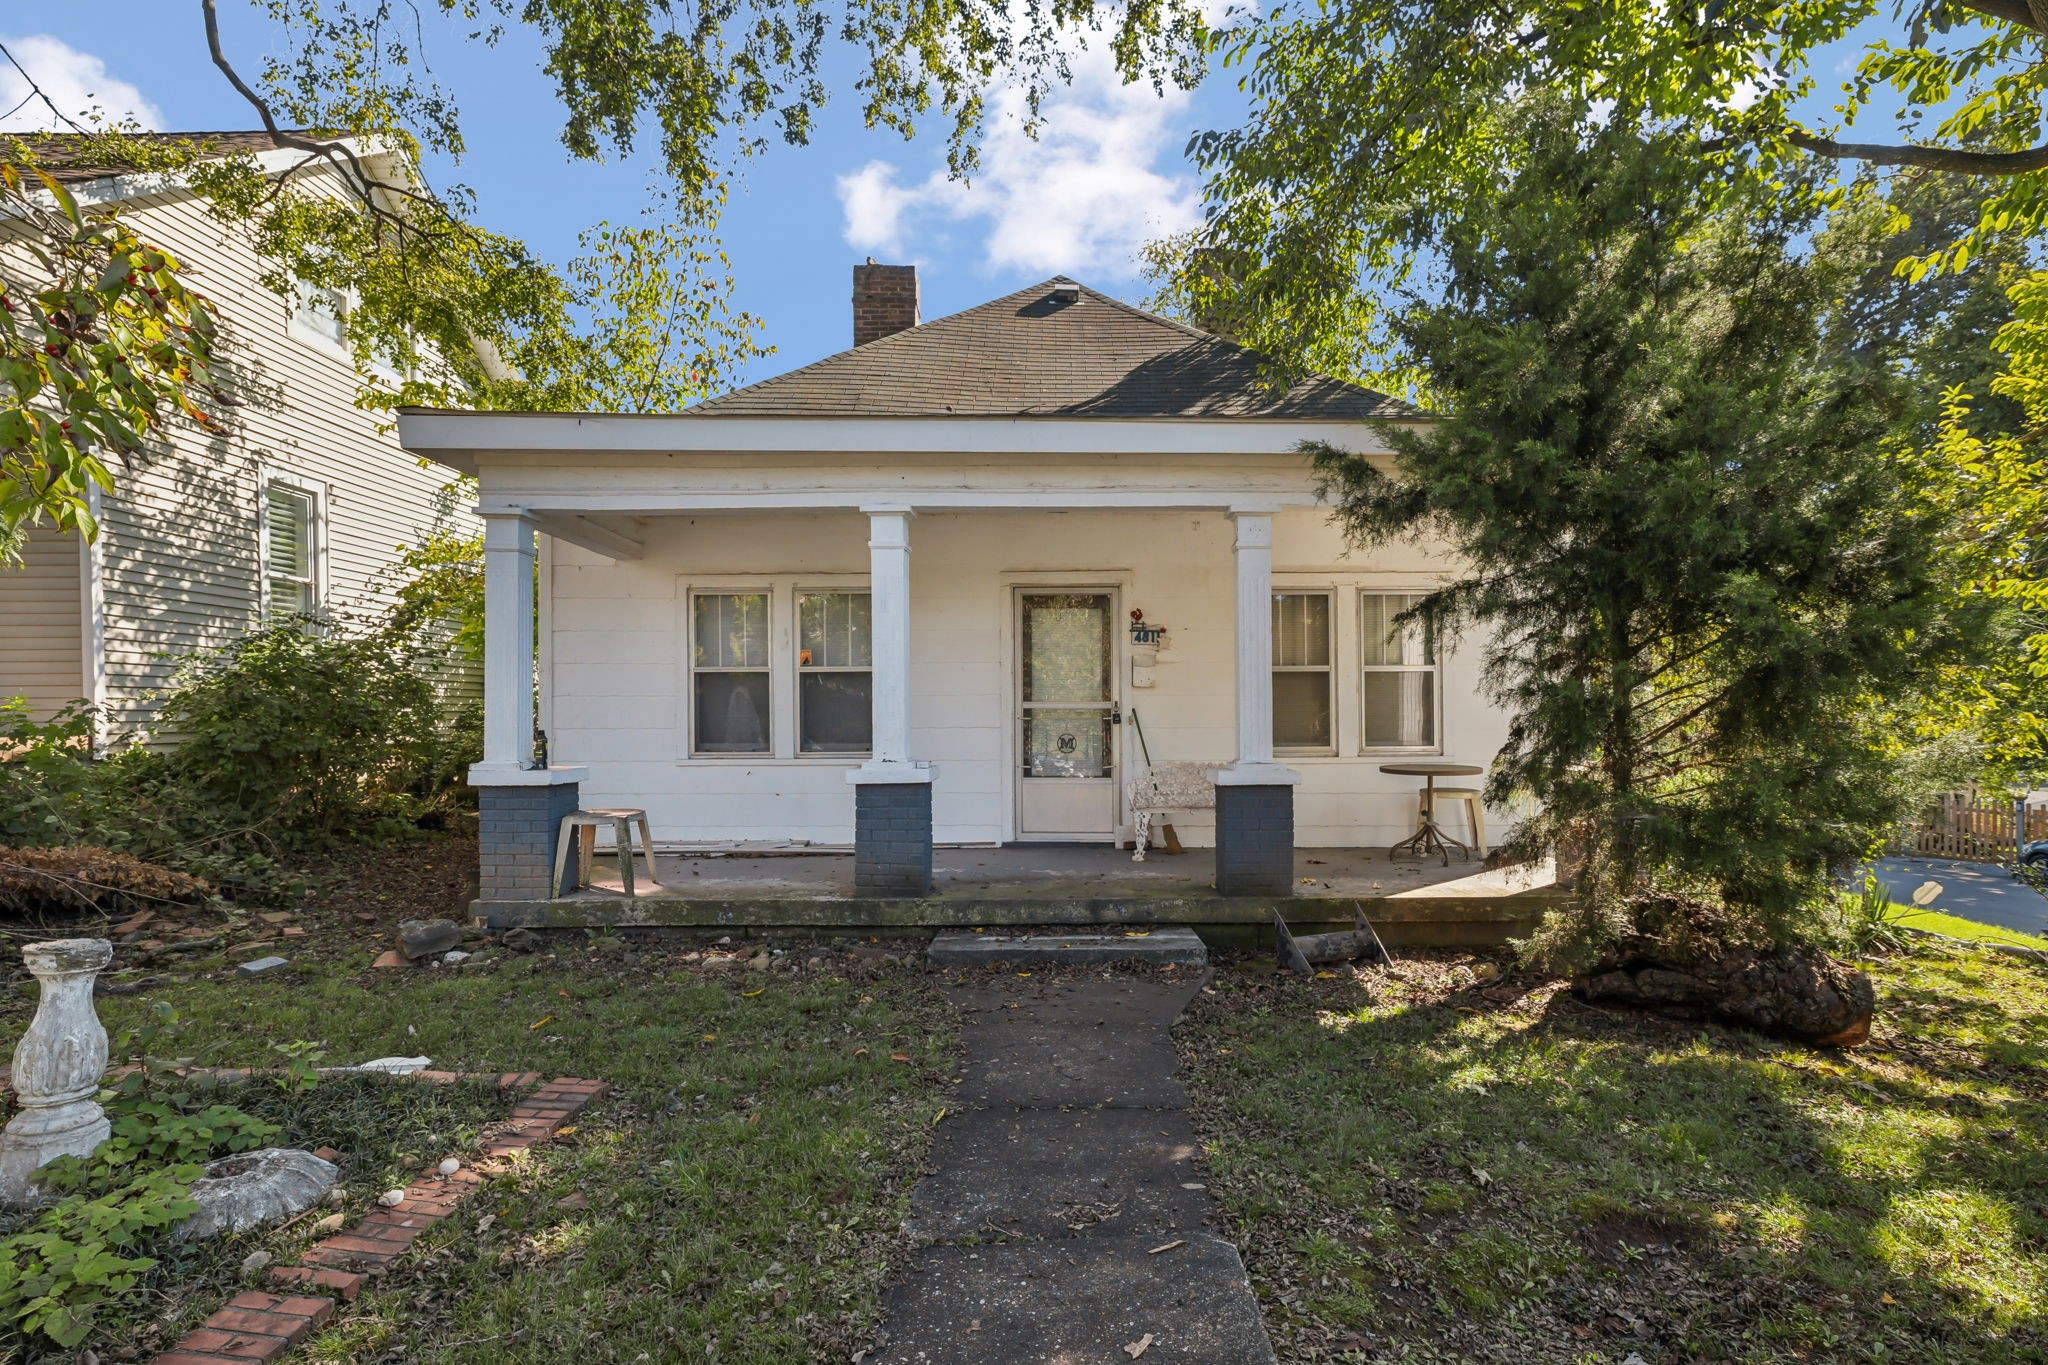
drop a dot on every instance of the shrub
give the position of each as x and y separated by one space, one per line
306 730
82 878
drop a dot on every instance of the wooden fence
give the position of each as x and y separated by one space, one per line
1973 826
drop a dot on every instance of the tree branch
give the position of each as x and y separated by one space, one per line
1929 158
2012 11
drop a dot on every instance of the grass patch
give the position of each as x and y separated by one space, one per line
740 1189
1421 1167
1935 922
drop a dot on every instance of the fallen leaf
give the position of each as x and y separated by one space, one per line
1140 1346
710 1037
1176 1242
544 1019
899 1056
860 1052
749 995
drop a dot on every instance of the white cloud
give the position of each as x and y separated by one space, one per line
78 83
1080 197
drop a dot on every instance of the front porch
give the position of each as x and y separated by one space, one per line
1411 904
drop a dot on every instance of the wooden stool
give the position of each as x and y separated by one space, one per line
583 825
1470 797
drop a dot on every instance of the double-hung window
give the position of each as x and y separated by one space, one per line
291 551
834 672
729 673
321 313
1302 691
1397 675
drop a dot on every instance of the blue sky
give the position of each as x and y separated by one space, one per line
1106 174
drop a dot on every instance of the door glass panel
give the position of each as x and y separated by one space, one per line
1066 743
1066 648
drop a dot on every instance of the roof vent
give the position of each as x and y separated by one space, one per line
1065 291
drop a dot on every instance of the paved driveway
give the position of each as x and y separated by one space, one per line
1984 892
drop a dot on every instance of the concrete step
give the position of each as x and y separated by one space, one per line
1176 944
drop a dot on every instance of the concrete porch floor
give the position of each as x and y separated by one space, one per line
1065 872
1053 884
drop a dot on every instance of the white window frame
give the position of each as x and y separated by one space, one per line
316 496
692 670
306 333
1328 670
1435 668
799 668
784 641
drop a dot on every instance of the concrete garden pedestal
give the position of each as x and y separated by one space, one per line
57 1066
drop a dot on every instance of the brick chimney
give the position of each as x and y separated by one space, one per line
884 300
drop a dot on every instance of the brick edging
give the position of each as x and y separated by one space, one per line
256 1328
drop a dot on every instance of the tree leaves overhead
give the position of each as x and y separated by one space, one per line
1376 122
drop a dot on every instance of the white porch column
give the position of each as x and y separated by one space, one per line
889 590
508 641
892 792
1254 552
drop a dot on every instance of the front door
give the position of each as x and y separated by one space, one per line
1067 715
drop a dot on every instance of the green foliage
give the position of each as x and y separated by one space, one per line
303 730
100 337
289 738
1696 547
69 1264
77 1258
1374 125
441 585
1873 920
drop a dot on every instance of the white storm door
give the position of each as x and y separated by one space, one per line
1067 715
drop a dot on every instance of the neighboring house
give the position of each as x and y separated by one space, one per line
301 508
892 599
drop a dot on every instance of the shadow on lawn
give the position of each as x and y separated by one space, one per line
1512 1175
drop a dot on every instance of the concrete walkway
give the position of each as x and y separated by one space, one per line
1065 1219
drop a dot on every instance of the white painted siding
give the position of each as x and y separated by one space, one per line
615 680
181 543
42 632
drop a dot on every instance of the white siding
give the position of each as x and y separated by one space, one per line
42 631
614 674
181 545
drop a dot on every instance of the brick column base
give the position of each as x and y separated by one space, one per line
516 830
1255 841
892 839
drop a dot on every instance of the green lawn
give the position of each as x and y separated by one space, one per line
742 1186
1935 922
1420 1166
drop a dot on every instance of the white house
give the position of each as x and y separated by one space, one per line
953 585
302 508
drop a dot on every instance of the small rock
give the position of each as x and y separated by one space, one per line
294 932
366 917
391 1199
336 1197
759 964
262 965
331 1223
390 958
449 1166
453 956
277 917
1483 972
521 940
426 937
255 1261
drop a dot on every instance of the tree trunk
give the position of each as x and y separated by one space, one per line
1797 993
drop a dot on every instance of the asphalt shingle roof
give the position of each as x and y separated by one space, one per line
1028 354
71 159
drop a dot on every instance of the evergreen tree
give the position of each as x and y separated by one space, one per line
1697 548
